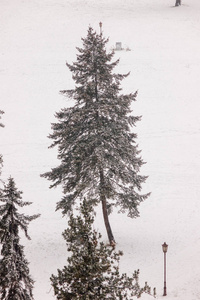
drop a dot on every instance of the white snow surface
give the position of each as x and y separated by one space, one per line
37 38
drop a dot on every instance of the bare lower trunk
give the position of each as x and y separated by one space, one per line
105 211
107 223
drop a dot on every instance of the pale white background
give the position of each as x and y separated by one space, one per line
37 37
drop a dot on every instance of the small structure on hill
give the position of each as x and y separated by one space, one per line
118 46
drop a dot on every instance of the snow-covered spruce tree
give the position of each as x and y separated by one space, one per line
99 157
92 271
15 280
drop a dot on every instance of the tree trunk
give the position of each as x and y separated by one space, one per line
178 2
102 182
105 211
107 224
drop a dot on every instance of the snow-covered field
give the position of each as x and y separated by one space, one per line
37 38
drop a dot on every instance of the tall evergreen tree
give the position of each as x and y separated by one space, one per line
92 271
15 280
99 157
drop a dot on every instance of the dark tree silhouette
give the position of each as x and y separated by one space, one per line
178 2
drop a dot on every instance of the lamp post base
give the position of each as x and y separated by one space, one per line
165 291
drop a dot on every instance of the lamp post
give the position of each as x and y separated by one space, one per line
100 25
165 247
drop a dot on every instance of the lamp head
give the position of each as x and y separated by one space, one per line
164 247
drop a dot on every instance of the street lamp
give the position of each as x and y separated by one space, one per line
165 247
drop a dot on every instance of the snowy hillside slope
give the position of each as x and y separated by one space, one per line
37 38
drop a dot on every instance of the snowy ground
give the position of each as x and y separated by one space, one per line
37 37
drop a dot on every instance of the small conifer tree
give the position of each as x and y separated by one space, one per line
92 271
15 280
97 148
